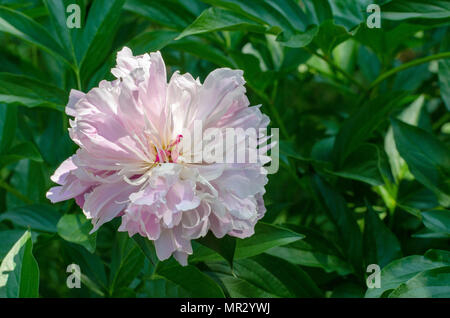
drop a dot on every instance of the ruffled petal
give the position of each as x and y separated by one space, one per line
106 201
133 162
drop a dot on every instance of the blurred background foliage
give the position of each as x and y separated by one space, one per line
364 123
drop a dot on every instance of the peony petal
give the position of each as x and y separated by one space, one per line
165 245
63 171
106 201
181 196
133 162
222 87
74 97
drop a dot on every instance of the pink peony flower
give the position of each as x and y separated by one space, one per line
132 162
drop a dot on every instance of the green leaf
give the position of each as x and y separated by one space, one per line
385 43
29 192
124 292
8 239
12 63
322 149
126 262
94 44
249 279
170 14
380 244
191 280
256 79
410 115
424 233
24 150
75 228
265 276
151 41
412 78
299 40
402 270
368 63
200 49
19 25
37 217
437 221
162 288
444 72
427 157
433 283
266 236
224 246
345 55
147 248
307 255
367 164
313 251
92 269
348 289
291 11
55 144
344 221
318 11
287 148
416 9
8 124
348 13
281 15
30 92
19 271
216 19
57 12
296 281
329 36
359 126
240 288
413 197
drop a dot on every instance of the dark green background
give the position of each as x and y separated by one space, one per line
364 124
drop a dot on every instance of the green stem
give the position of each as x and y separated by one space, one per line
15 192
335 67
273 110
441 121
334 82
405 66
77 75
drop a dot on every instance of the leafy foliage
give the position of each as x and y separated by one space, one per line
364 151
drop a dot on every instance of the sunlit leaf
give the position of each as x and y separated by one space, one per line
19 271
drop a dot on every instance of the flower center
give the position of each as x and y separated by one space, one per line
170 153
